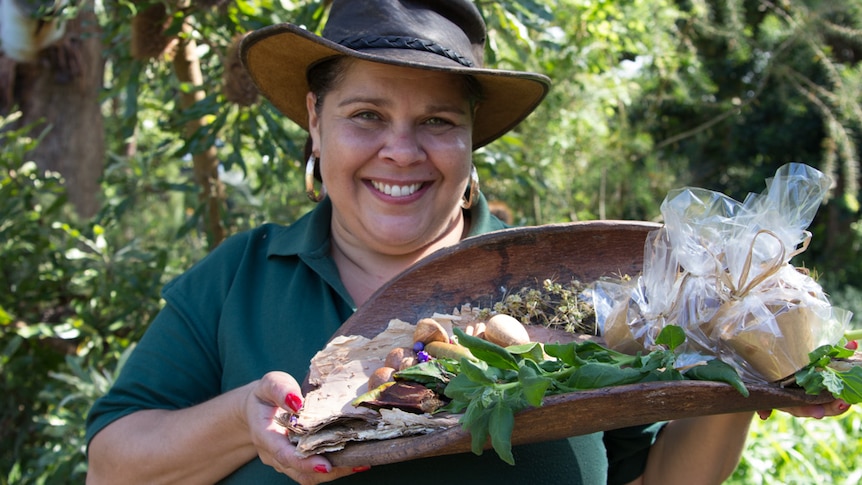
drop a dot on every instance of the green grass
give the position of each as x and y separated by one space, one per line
793 451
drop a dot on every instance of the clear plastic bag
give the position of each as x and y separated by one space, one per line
720 269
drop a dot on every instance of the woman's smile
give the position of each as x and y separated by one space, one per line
394 190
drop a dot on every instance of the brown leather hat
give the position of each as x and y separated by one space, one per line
441 35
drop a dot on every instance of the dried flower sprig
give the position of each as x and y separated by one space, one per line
552 304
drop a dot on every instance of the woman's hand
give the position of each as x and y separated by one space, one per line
816 411
273 394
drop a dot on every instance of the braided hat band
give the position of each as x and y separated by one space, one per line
399 42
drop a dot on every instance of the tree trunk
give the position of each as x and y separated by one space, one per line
188 70
60 91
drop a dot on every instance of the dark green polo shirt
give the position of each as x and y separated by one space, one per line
269 299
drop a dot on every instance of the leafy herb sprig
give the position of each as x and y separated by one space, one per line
828 371
505 381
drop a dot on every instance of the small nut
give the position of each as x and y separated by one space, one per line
380 377
428 330
408 361
505 330
476 329
395 356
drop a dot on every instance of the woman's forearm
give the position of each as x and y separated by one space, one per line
200 444
700 450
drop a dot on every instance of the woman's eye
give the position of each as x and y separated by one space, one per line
367 115
438 121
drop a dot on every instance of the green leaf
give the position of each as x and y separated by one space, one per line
717 370
575 354
824 354
534 386
461 388
851 392
532 351
811 380
476 421
596 375
500 427
832 382
477 373
564 352
671 336
431 372
491 353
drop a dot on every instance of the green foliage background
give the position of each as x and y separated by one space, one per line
648 95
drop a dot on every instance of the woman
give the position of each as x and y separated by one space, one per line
395 99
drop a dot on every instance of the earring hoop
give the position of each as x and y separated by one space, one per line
309 181
473 190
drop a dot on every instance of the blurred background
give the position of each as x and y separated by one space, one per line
132 143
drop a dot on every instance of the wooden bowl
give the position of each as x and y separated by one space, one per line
479 270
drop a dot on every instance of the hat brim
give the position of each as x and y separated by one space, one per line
277 58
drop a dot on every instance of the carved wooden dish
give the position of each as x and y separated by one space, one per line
478 271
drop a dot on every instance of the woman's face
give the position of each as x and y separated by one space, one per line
395 149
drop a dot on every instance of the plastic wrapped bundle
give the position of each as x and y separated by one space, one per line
720 269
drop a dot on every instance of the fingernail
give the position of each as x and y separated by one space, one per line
843 406
321 469
363 468
293 401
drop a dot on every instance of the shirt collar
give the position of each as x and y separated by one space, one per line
308 235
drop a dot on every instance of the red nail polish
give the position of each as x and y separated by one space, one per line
843 407
363 468
293 401
321 469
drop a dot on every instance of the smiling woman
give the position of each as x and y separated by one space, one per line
395 97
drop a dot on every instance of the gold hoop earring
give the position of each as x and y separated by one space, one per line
473 190
309 181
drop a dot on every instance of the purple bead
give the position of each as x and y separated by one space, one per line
418 347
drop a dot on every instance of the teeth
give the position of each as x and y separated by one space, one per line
396 190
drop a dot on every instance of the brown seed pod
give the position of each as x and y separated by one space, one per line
505 330
237 85
148 32
395 356
429 330
380 377
408 361
448 351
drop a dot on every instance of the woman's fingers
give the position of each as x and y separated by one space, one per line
276 393
279 389
816 411
307 471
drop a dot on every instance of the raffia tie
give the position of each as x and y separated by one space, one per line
773 266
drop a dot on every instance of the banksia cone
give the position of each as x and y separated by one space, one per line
148 32
237 86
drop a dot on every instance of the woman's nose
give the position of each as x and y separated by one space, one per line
402 145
